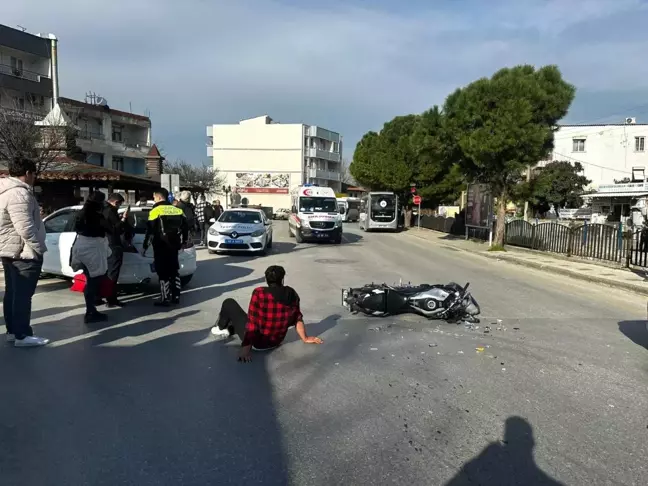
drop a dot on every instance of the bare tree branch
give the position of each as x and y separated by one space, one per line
24 132
345 174
203 179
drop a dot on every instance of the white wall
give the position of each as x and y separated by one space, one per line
609 150
255 146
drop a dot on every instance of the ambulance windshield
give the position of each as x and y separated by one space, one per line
317 205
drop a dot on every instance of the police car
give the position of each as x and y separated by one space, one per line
136 269
240 229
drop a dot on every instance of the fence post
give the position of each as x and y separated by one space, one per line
533 235
584 233
570 239
620 240
629 249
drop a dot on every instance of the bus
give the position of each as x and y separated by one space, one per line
379 210
349 208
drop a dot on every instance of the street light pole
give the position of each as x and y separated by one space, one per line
227 190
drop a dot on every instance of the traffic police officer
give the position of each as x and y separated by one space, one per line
168 232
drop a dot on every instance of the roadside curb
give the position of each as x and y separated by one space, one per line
503 256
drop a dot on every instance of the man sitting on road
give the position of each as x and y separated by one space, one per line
273 309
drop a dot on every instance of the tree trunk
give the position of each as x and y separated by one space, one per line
500 227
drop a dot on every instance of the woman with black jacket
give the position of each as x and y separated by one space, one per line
90 252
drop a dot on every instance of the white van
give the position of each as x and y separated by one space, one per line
314 215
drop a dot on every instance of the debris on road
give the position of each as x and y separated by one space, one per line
479 349
432 345
373 349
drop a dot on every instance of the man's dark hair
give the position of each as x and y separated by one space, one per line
19 166
275 274
162 192
97 196
116 197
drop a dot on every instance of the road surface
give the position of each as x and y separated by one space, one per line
558 396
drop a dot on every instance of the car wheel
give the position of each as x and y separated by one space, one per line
298 236
337 241
211 252
269 243
290 233
184 281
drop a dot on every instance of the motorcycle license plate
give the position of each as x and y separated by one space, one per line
234 242
345 294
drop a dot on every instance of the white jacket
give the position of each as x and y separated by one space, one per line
91 253
22 233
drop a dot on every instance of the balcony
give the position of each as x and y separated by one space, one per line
324 174
323 133
89 135
323 154
20 73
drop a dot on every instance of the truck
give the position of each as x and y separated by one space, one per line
314 215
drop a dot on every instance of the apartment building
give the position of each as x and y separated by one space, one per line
614 158
108 137
262 159
28 71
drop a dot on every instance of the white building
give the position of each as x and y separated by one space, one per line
262 159
606 152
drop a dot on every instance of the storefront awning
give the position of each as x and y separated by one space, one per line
617 194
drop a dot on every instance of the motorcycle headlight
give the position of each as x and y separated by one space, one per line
258 233
213 232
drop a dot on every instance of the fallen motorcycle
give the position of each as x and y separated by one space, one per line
450 302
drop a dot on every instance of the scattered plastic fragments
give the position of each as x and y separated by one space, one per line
373 349
479 349
503 369
433 345
460 352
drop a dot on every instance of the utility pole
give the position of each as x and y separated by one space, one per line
526 203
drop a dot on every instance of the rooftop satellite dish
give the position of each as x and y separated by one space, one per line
101 101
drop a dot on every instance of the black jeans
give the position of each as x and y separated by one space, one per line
205 232
233 318
115 261
166 266
21 278
91 291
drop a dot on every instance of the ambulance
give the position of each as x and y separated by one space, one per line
314 215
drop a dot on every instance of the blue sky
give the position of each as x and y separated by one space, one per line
345 65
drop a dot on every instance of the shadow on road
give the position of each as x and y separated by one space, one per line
171 410
636 331
506 463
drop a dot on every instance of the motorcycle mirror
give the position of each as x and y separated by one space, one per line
466 287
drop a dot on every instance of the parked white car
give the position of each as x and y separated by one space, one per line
240 229
136 269
281 214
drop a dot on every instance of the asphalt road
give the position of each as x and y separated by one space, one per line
558 396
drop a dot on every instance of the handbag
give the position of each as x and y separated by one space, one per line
106 285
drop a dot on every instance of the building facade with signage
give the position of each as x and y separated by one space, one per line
262 160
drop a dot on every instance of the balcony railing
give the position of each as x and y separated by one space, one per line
323 154
324 174
20 73
135 143
90 135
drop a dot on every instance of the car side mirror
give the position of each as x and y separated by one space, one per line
213 220
342 211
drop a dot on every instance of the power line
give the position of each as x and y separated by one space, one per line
593 165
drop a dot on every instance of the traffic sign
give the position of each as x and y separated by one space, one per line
417 200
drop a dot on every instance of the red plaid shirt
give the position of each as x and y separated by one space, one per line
269 320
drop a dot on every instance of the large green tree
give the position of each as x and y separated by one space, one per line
364 165
558 184
502 125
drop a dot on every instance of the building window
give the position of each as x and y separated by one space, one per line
16 66
116 133
640 144
578 145
118 163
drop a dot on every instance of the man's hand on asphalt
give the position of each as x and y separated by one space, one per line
313 340
244 354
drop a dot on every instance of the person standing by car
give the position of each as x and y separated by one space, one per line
218 209
22 246
200 216
184 203
168 233
209 213
117 227
90 252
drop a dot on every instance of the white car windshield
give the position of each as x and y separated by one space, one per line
318 204
245 217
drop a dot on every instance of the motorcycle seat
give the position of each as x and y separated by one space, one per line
412 290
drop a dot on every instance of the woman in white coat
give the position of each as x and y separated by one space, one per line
91 251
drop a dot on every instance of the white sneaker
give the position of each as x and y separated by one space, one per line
10 338
31 342
220 334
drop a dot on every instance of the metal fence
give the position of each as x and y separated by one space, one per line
605 242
